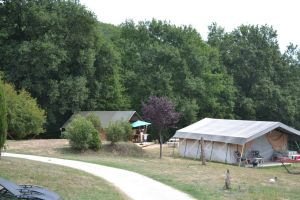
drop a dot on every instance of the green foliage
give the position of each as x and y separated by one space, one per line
114 132
68 61
3 117
189 112
94 142
119 131
82 134
127 131
95 121
267 81
25 117
161 59
54 50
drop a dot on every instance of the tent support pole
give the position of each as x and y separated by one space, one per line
241 155
202 151
212 148
185 148
197 149
174 149
226 153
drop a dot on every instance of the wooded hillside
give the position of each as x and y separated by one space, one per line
69 61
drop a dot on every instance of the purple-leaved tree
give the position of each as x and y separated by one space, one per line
161 113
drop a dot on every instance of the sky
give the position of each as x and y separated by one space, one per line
283 15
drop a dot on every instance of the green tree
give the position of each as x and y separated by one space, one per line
265 79
54 50
3 117
161 59
25 117
290 82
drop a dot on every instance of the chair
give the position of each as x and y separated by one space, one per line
239 158
255 154
256 158
11 190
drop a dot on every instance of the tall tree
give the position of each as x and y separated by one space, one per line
3 117
162 59
161 113
252 56
54 50
290 82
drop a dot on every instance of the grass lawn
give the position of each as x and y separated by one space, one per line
202 182
68 183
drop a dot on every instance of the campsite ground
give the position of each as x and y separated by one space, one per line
202 182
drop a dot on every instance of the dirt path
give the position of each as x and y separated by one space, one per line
134 185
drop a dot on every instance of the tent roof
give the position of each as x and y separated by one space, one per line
105 117
231 131
139 123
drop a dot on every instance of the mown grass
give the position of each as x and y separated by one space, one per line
70 184
188 175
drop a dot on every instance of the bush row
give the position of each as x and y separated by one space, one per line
83 133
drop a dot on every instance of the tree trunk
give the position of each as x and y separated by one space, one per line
160 144
202 151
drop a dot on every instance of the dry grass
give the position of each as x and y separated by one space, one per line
203 182
49 147
69 183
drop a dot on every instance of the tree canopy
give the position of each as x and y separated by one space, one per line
69 61
265 78
164 60
54 50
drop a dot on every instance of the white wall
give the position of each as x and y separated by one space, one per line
262 145
216 151
189 148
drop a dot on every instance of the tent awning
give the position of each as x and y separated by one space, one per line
139 123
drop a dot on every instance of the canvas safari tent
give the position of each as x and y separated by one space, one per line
223 138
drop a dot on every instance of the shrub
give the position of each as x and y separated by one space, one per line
119 131
25 117
127 131
114 132
95 121
95 142
82 134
